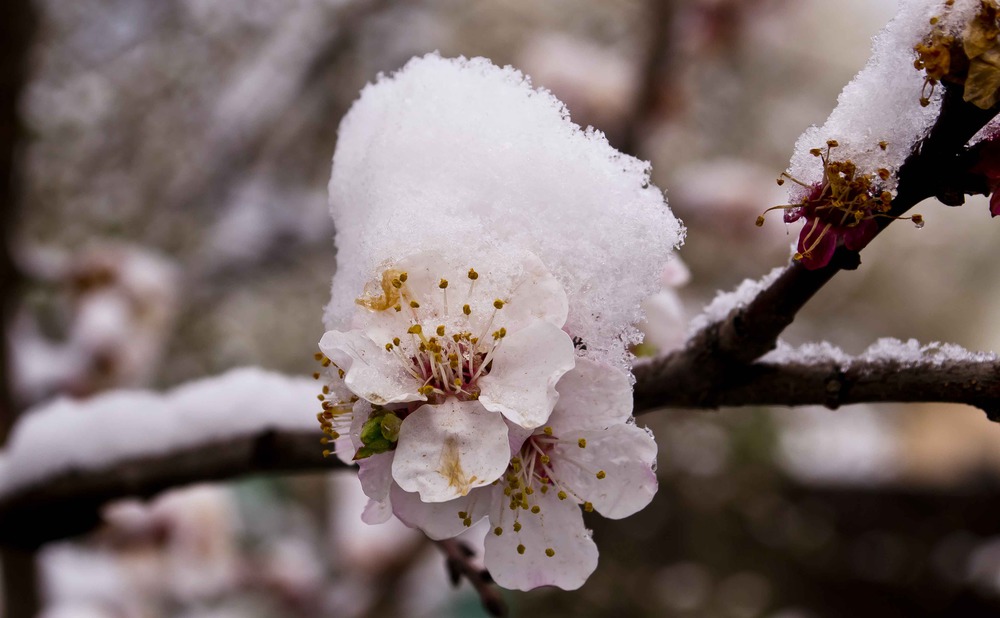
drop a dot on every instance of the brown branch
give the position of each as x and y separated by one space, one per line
938 167
831 384
70 503
460 564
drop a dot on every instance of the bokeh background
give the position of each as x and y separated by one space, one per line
173 224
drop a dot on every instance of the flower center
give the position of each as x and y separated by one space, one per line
843 199
448 352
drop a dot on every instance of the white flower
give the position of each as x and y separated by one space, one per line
589 454
477 347
492 257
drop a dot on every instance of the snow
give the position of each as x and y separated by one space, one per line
902 354
725 302
85 435
911 352
808 354
464 157
883 100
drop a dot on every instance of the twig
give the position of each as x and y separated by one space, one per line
460 564
70 503
938 167
831 384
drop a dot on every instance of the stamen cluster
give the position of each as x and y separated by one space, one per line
967 58
840 209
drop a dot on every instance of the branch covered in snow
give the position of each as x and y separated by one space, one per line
938 167
69 502
66 459
65 496
903 373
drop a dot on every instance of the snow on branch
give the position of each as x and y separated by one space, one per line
65 459
820 374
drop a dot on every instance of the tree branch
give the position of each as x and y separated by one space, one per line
70 503
830 383
460 564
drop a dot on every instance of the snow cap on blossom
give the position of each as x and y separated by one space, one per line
882 104
466 159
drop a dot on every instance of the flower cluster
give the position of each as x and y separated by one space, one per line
479 369
964 51
839 210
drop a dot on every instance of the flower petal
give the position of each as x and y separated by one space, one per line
591 396
626 454
377 512
557 529
823 250
538 295
526 367
375 474
441 520
446 450
371 372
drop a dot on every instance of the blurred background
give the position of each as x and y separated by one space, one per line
172 223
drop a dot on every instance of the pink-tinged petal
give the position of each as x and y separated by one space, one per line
371 372
536 295
445 451
822 253
375 474
626 454
526 367
591 396
857 238
377 512
995 204
441 520
558 527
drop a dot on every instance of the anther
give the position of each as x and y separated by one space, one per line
582 443
547 431
536 509
318 356
520 549
402 277
550 552
440 330
498 531
416 329
517 526
588 507
601 474
498 304
561 495
473 274
414 304
443 284
466 309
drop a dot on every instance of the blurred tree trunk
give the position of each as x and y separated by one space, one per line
17 27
